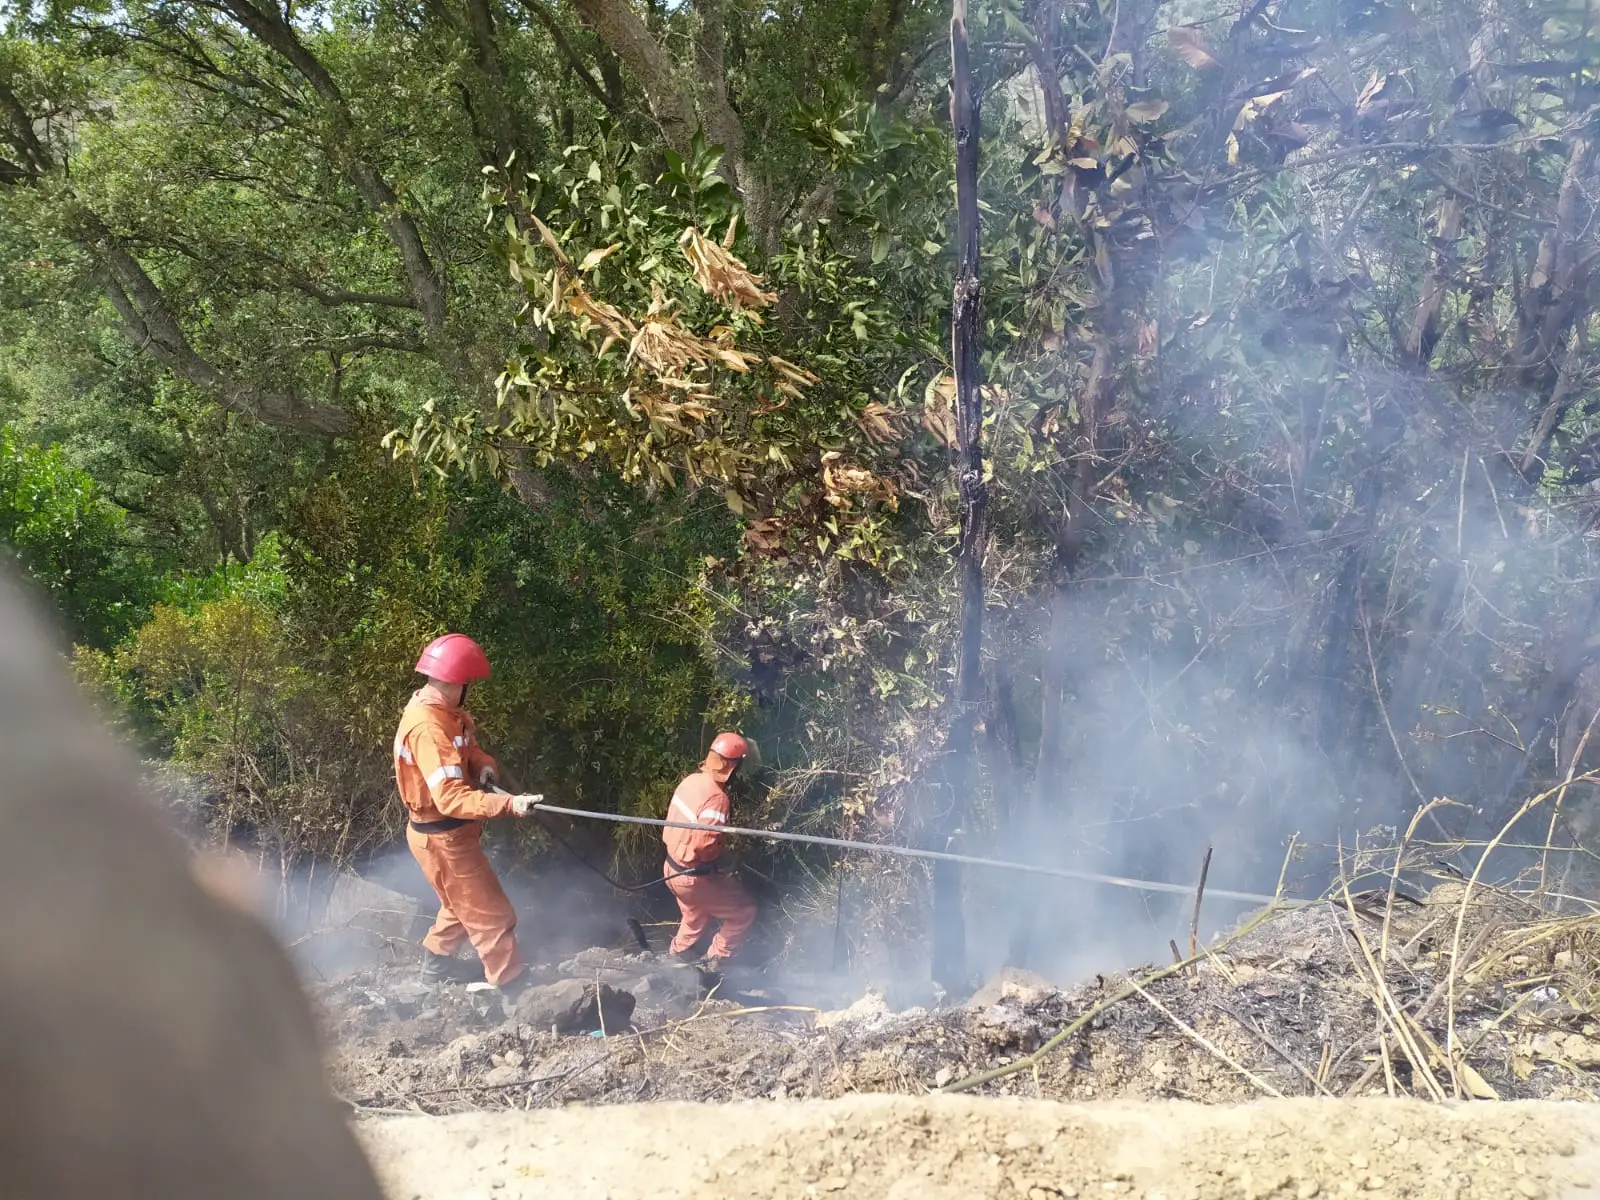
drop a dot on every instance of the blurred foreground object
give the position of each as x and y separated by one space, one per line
154 1041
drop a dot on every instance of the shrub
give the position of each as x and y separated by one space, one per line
70 541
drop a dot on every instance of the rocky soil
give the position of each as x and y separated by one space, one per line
1293 1004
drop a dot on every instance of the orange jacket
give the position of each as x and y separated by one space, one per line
437 761
702 800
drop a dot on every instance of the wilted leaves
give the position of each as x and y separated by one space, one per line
1146 111
1191 47
721 274
689 403
791 378
938 410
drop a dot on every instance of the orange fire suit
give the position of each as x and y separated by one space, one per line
437 762
694 873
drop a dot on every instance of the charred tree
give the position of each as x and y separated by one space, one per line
949 926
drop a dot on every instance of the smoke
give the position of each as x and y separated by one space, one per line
1182 748
336 920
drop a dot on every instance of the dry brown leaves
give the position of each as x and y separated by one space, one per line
658 408
766 535
939 410
791 378
720 273
841 481
586 308
672 353
878 424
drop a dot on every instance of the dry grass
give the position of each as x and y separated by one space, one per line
1467 990
1408 977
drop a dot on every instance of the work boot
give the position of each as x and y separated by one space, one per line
685 958
439 968
512 988
511 991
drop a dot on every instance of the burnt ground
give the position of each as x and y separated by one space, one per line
1287 1004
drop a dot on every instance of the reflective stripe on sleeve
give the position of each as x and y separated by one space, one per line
451 771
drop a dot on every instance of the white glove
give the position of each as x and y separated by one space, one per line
487 778
523 805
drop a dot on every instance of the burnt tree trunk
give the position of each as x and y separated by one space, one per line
949 926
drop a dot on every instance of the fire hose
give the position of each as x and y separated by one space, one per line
773 835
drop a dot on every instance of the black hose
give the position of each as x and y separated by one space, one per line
600 871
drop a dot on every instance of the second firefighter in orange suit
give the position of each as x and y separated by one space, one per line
694 870
443 776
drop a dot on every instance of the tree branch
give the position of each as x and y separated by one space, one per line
621 29
1424 333
150 324
568 51
268 26
148 321
357 343
724 126
22 134
333 297
508 131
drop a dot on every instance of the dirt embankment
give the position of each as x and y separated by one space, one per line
956 1148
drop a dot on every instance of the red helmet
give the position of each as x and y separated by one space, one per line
454 658
730 746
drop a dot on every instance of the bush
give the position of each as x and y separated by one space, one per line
282 680
69 540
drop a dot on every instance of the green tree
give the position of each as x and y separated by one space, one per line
70 541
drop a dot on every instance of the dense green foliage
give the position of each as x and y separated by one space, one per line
617 334
70 541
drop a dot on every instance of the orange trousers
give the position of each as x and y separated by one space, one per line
703 898
472 904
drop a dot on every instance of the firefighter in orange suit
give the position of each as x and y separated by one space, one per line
444 777
694 869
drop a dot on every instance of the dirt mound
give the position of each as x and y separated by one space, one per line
956 1148
1290 1005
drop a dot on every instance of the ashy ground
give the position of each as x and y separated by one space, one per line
1290 1006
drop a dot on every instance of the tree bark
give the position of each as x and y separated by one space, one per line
724 126
949 926
1424 335
680 109
1555 309
625 33
1555 284
610 97
508 130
